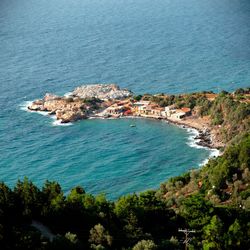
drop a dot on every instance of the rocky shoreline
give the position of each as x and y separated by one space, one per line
108 100
205 137
85 101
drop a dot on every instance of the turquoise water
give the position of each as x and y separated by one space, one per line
101 155
146 46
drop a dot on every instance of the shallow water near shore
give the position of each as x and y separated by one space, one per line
102 155
146 46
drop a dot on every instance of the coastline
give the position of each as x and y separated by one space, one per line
196 130
203 137
200 135
195 134
109 101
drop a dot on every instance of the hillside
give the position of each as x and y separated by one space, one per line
226 114
213 201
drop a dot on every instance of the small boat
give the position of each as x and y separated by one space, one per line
132 125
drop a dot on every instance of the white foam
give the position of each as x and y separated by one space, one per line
192 142
96 117
68 94
24 106
59 123
213 154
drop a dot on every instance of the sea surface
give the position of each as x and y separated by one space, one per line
170 46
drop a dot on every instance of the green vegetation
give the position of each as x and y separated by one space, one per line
214 200
138 98
228 113
231 114
93 102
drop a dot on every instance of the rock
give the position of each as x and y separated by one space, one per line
53 112
76 107
101 91
38 102
34 107
69 116
37 105
52 105
49 97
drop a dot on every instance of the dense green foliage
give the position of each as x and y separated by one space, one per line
229 113
214 201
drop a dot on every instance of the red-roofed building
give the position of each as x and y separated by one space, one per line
187 111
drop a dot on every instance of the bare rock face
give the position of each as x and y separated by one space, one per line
76 106
66 109
49 97
69 116
37 105
102 91
56 104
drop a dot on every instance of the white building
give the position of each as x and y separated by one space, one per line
171 111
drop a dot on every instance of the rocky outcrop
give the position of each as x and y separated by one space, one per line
207 138
37 105
69 115
102 91
83 101
204 139
64 108
50 97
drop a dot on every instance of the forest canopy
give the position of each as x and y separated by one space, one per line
218 210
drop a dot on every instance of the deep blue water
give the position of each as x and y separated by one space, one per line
146 46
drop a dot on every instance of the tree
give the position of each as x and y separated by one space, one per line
235 236
127 204
71 237
138 97
29 196
53 197
145 245
196 211
244 154
213 234
239 91
76 195
132 229
99 237
223 93
7 200
67 242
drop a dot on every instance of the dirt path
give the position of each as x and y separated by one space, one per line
45 231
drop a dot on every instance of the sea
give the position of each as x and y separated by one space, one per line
163 46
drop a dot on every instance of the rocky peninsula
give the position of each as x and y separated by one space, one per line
110 101
85 101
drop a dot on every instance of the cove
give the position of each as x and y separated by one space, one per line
103 156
